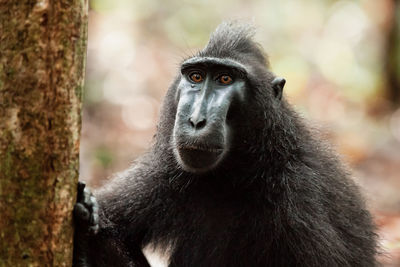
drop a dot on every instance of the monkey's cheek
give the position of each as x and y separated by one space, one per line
199 160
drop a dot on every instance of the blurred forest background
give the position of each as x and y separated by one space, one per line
341 60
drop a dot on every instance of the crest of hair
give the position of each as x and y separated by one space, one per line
234 39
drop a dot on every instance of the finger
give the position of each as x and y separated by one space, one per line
94 229
94 220
81 187
95 208
86 197
93 203
81 212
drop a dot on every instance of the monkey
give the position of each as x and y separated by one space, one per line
234 177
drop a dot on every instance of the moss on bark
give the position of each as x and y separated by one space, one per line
42 57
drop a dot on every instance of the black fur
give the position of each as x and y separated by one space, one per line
279 198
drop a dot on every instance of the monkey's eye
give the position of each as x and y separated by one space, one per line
225 79
196 77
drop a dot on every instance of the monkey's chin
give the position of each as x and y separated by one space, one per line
198 160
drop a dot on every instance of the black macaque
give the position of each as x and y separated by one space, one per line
234 178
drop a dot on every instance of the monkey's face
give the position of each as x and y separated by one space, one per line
209 88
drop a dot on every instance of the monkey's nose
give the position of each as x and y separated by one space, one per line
197 122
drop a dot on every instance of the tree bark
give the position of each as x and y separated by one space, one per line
42 59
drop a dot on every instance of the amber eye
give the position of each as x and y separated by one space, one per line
196 77
225 79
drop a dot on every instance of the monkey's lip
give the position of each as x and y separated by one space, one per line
215 150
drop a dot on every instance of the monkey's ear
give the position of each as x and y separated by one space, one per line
277 84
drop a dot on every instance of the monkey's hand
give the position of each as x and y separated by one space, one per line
86 211
86 218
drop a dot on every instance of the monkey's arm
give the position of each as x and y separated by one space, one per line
95 242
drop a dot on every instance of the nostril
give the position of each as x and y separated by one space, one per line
198 124
201 124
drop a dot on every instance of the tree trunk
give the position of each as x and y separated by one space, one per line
42 57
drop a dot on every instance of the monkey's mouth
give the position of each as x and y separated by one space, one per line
199 158
216 150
